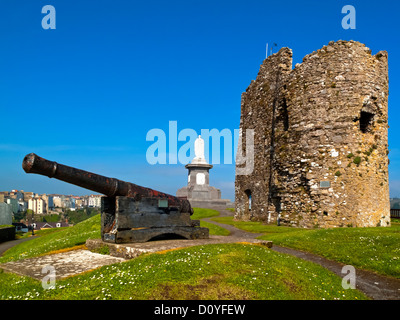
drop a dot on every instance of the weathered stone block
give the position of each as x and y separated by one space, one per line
126 219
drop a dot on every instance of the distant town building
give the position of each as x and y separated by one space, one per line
14 204
37 205
48 225
20 227
66 202
20 201
57 202
22 205
28 195
17 194
79 203
49 202
72 203
5 214
95 201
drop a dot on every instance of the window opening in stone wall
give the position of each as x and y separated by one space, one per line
248 194
366 120
285 115
277 203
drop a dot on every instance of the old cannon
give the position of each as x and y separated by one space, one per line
129 213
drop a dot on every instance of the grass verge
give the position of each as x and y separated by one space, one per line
223 271
252 226
51 240
229 271
55 240
214 229
201 213
376 249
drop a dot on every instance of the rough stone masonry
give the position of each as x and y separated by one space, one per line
320 140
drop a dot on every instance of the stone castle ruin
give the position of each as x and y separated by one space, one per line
320 140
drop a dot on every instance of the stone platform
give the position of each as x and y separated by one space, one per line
75 262
132 250
65 264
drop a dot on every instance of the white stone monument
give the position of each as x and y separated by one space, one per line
198 191
199 152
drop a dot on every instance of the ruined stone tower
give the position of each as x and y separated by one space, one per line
320 140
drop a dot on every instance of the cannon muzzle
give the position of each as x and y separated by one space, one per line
110 187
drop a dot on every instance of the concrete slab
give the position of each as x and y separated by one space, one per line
132 250
65 264
74 262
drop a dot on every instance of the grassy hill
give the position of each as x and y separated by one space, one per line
201 213
54 239
227 271
376 249
224 271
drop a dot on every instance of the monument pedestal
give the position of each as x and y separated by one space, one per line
198 191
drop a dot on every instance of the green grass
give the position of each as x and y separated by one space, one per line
40 232
201 213
252 226
55 239
376 249
224 271
214 229
6 226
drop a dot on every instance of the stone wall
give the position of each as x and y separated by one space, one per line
6 213
320 139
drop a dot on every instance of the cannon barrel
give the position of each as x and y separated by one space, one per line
110 187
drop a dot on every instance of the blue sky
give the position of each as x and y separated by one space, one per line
87 93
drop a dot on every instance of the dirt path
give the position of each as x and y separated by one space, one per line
4 246
234 232
375 286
